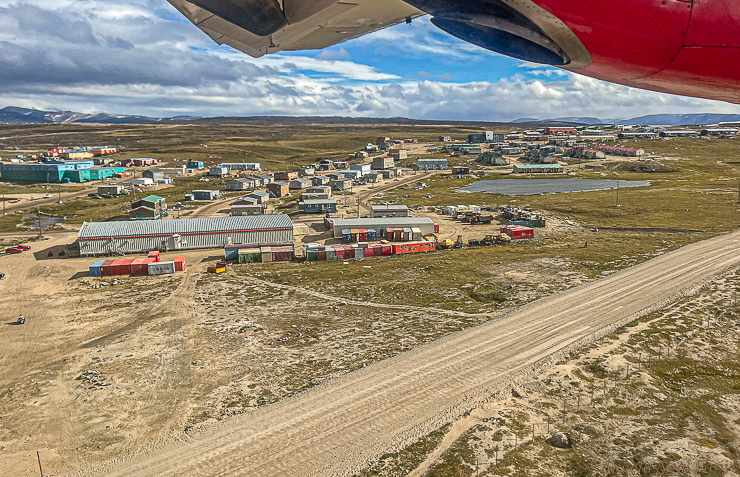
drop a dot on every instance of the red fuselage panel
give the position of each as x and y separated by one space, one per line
673 46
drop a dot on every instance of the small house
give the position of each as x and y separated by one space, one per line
278 189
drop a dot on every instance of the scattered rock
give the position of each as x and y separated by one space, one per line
560 441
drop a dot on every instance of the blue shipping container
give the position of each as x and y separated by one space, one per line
372 234
95 270
347 236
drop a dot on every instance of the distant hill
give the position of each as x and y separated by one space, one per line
679 119
15 115
568 120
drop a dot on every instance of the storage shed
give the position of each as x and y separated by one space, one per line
104 238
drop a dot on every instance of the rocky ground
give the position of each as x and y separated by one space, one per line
659 397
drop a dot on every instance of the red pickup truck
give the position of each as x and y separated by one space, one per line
17 249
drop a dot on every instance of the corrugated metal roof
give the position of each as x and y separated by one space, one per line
380 222
184 226
389 207
318 201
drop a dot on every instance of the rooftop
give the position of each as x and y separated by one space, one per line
166 228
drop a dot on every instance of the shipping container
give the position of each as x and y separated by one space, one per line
362 235
372 234
436 228
416 234
416 247
408 235
95 270
517 232
140 266
346 236
266 254
250 255
283 254
368 252
341 252
180 264
359 253
105 268
122 266
161 268
349 253
154 255
387 249
321 255
331 254
312 255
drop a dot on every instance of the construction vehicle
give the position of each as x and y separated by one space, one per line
490 239
445 244
21 320
478 219
459 242
220 267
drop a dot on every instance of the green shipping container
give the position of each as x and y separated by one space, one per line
250 255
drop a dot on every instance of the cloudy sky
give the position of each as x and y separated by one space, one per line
143 57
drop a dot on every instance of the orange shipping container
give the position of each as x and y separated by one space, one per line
419 247
180 264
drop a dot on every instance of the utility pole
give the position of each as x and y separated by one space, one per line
617 204
38 456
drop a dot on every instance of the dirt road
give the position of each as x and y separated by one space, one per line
336 429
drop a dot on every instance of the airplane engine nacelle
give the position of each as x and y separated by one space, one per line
688 47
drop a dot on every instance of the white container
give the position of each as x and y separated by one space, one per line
161 268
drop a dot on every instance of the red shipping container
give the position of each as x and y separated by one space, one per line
154 255
517 232
418 247
341 252
139 266
122 267
369 252
436 228
105 268
321 255
180 264
349 252
387 249
283 254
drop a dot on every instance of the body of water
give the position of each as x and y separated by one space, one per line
547 186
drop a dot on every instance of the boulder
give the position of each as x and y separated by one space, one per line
560 440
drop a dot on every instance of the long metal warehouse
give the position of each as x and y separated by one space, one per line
108 238
379 224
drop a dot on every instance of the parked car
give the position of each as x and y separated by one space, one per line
23 247
12 250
